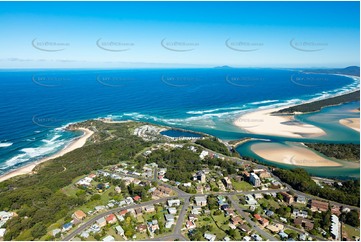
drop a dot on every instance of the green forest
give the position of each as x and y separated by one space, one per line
38 199
299 179
317 105
349 152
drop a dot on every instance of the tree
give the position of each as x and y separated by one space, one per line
38 230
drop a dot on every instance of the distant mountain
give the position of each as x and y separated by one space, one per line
350 70
223 67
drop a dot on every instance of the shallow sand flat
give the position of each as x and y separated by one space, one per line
28 168
353 123
291 155
263 122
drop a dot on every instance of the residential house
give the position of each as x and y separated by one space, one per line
169 218
119 230
101 222
111 219
258 196
137 198
108 238
173 202
203 154
67 227
317 205
301 199
283 235
227 182
192 217
123 212
236 220
79 215
298 213
288 198
172 210
153 226
201 201
245 228
138 211
142 228
165 190
250 200
149 209
305 223
275 228
190 224
210 237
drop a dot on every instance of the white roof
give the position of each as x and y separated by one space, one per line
2 232
108 238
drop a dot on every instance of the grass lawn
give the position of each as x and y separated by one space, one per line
350 231
270 202
242 186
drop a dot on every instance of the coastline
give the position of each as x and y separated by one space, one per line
77 143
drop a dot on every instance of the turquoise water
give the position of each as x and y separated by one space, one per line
327 119
36 105
175 133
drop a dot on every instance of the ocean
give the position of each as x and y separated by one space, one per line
36 105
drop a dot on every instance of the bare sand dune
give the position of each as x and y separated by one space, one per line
291 155
265 123
353 123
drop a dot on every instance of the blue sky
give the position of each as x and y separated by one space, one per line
177 34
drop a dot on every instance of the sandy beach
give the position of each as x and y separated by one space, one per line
79 142
353 123
291 155
265 123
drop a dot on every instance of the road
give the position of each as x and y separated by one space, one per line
186 197
248 219
115 210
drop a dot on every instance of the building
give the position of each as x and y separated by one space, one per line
101 222
203 154
111 219
169 218
142 228
173 202
172 210
275 228
79 215
119 230
305 223
67 227
108 238
301 199
317 205
190 224
288 198
201 177
298 213
227 182
236 220
210 237
335 227
165 190
250 200
254 180
149 209
201 201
